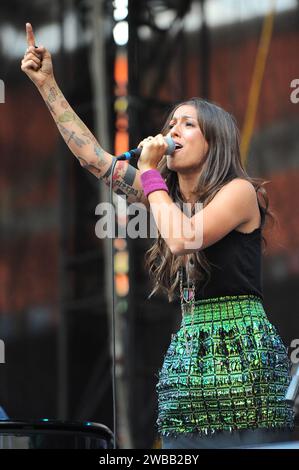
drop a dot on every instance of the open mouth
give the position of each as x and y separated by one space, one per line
178 146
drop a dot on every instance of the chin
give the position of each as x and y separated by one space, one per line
179 164
172 164
176 166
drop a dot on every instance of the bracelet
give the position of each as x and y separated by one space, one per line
152 180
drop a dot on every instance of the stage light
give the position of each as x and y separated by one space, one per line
121 104
122 285
120 14
120 244
121 33
144 32
121 262
119 4
164 19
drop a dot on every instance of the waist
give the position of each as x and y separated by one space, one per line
230 307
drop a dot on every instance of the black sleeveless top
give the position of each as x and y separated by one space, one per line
236 266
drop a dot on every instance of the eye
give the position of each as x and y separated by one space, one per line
190 124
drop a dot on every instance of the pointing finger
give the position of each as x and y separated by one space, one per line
30 35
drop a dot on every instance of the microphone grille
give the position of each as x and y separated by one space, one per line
171 145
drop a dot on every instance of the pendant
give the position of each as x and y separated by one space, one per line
188 294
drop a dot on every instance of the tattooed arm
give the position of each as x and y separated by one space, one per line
85 147
37 64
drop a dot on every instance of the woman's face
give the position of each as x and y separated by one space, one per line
185 131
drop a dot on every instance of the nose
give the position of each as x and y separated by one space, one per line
174 131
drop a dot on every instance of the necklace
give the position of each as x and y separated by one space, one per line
187 295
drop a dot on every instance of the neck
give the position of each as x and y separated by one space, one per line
188 185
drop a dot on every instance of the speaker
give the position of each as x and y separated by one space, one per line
52 434
275 445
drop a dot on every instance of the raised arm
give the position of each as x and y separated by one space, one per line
37 64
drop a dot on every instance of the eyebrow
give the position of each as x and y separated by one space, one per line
183 117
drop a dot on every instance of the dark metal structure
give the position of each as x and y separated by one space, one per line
70 360
84 390
69 364
158 75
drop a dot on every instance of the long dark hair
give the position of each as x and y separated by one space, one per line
221 164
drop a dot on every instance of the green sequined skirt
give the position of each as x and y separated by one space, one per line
225 369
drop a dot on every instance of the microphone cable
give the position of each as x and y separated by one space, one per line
113 308
124 156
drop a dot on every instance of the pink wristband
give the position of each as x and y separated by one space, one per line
151 180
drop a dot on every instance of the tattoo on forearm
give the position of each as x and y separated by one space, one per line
100 153
124 188
64 104
90 137
123 179
124 174
130 173
93 169
69 116
52 95
50 108
126 184
70 136
105 176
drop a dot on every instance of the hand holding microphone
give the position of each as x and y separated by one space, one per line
150 151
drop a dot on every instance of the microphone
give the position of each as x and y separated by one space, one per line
136 152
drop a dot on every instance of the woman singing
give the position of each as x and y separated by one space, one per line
226 371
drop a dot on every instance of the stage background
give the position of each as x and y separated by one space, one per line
54 317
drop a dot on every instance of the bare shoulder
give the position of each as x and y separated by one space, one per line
234 207
245 191
239 185
239 188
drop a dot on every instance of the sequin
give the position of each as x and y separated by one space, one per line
233 374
